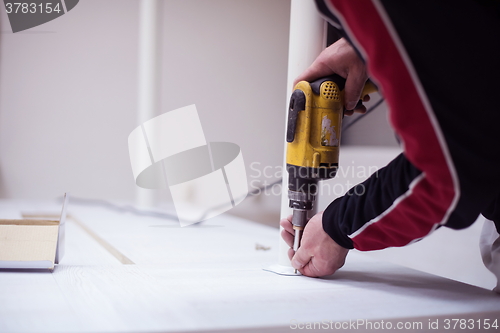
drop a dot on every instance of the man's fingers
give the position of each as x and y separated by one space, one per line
291 252
310 270
315 268
353 87
300 259
315 71
287 233
287 224
353 90
287 237
360 109
309 75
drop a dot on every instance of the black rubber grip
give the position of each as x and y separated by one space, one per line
297 104
339 80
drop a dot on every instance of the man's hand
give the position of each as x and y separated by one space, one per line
340 58
319 254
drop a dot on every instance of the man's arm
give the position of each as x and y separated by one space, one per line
448 173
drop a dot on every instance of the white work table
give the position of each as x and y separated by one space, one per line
127 273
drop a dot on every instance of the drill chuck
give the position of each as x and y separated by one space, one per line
302 202
299 220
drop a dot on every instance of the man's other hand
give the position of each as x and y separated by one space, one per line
319 254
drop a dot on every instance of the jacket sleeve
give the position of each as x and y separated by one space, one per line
448 172
365 204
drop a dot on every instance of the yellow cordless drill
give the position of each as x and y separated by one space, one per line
313 135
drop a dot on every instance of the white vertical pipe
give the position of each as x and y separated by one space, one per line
307 39
149 74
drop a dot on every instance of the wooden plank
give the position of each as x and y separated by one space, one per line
28 222
23 244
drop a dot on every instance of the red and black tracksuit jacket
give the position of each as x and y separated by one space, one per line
437 64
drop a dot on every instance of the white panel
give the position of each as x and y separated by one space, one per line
212 197
237 179
209 278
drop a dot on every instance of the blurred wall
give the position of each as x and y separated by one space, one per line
67 103
68 90
373 129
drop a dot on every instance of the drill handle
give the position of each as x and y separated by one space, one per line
297 104
369 88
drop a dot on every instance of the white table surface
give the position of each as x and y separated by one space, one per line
208 278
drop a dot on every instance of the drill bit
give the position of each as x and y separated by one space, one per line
299 220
